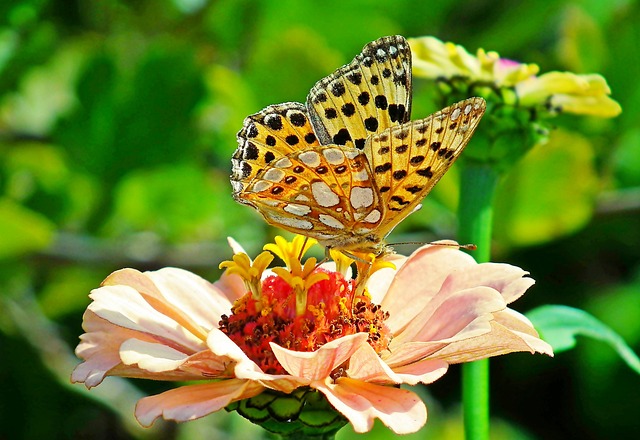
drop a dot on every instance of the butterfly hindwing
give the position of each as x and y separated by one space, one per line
320 192
407 160
364 97
266 136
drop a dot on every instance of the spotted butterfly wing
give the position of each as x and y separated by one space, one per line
347 167
407 160
325 192
271 134
366 96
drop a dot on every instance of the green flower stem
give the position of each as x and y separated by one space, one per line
475 216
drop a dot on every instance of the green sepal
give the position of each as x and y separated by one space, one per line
305 413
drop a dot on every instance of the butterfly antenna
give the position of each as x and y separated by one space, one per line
469 246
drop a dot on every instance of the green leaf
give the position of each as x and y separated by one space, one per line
23 230
560 325
549 194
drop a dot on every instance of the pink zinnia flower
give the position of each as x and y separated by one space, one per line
401 320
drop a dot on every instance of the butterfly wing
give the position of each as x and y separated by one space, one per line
364 97
322 192
407 160
271 134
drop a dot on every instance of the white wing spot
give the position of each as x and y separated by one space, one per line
274 175
455 114
274 203
262 185
352 154
285 162
302 198
373 217
392 50
291 222
298 210
310 158
323 194
362 176
332 222
361 197
334 156
467 109
381 54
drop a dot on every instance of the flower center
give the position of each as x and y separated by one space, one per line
333 309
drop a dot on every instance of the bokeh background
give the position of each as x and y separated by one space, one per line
117 123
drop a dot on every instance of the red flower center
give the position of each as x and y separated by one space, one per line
333 311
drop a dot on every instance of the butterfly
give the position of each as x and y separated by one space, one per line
348 166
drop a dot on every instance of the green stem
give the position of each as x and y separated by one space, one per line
475 216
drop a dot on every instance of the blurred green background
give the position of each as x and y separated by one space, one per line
117 123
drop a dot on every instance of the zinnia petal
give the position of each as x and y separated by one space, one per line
362 402
426 269
153 357
99 348
509 280
451 312
318 364
222 346
194 401
185 297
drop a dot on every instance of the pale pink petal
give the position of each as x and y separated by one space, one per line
410 352
199 300
425 371
152 357
99 348
235 246
449 313
185 297
419 280
208 365
231 286
361 403
330 266
316 365
125 307
509 280
223 347
500 340
379 282
366 365
194 401
522 327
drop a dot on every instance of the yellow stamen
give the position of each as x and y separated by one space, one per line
290 252
343 262
371 265
250 272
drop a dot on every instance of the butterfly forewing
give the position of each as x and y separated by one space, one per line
323 192
367 96
407 160
276 131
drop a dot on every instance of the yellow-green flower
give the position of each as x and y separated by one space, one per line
555 91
